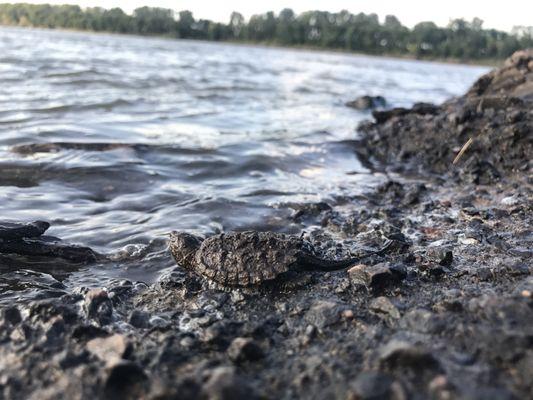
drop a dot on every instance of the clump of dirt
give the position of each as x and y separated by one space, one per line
494 119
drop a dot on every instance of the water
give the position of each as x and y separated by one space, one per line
153 135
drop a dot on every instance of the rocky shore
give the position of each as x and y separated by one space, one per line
447 314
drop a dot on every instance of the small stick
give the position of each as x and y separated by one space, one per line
462 151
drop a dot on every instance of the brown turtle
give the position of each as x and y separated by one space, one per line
248 258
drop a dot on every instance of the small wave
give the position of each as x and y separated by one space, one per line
81 107
71 74
32 148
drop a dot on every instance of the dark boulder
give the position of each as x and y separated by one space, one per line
367 102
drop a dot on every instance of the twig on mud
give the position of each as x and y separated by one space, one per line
462 151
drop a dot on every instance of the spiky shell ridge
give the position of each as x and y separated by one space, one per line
247 258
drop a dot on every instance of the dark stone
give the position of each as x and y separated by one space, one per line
11 315
98 306
383 307
367 102
371 385
72 360
48 246
88 332
418 109
401 354
139 319
441 255
224 384
126 380
484 274
323 313
55 333
220 332
184 389
244 349
45 310
12 231
423 321
377 276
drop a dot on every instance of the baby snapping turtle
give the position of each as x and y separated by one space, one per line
248 258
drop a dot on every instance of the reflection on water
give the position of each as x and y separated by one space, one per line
117 140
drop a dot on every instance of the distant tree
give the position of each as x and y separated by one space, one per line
341 30
149 20
185 24
236 24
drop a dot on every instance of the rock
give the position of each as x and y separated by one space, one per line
371 385
244 349
418 109
98 306
323 313
376 277
401 354
441 255
367 102
139 319
126 380
423 321
11 315
224 384
383 307
85 332
484 274
45 310
12 231
111 349
496 108
47 246
309 210
55 332
510 201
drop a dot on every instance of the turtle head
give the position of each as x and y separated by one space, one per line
183 247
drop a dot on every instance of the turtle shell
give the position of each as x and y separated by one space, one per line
247 258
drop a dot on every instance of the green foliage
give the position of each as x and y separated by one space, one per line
363 33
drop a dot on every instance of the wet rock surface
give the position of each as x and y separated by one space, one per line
367 102
28 240
445 313
491 123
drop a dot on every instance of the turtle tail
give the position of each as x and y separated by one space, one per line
329 265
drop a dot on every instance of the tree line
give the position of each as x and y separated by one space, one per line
465 40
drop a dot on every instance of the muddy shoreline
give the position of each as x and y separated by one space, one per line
448 314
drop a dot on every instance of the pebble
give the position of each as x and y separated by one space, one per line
244 349
139 319
98 306
441 255
370 385
399 353
510 201
126 380
348 314
224 384
384 307
323 313
11 315
110 349
423 321
377 276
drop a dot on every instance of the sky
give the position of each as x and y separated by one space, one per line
495 14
